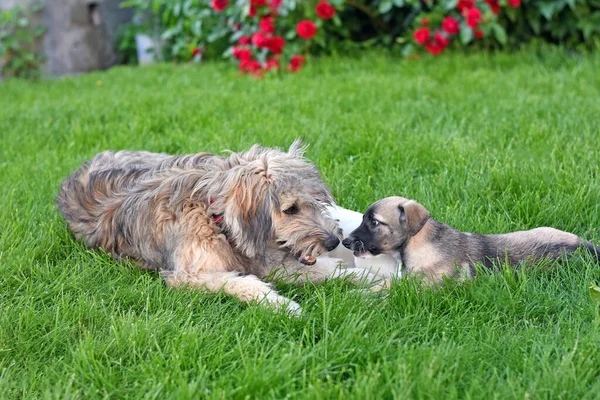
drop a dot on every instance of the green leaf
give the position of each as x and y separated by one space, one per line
449 4
408 50
37 6
466 34
587 29
499 33
398 3
337 21
39 30
595 293
290 35
535 24
385 6
511 13
547 9
196 28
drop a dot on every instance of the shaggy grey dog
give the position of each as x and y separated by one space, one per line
208 221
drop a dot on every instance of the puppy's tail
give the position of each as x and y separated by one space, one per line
594 250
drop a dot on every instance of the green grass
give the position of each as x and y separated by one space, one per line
488 143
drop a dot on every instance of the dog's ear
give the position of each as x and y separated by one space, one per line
297 149
414 216
247 212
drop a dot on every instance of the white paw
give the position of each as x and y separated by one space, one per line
381 286
293 309
330 262
281 303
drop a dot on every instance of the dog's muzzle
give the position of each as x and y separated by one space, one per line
328 244
331 243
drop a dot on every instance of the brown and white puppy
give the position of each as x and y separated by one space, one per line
404 228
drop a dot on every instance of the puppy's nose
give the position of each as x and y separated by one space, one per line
331 243
347 242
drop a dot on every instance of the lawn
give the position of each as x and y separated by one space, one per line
487 143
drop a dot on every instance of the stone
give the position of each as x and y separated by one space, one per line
81 34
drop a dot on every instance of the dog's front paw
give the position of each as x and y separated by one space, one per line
293 309
281 303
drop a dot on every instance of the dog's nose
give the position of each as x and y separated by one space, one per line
331 243
347 242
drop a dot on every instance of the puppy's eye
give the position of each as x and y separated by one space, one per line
375 222
291 210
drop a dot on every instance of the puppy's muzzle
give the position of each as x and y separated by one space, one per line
356 245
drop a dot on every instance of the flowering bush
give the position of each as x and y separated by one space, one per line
259 35
18 38
497 23
276 35
463 20
270 33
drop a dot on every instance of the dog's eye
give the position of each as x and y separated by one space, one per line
291 210
375 222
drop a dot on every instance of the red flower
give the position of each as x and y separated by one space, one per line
260 40
479 34
473 17
252 11
465 5
276 44
242 54
441 40
219 5
267 25
306 29
421 35
249 66
425 21
244 40
451 26
325 10
296 63
434 48
273 6
258 3
196 51
494 6
514 3
272 64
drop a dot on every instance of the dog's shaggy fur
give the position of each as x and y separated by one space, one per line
207 221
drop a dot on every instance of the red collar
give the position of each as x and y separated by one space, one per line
218 220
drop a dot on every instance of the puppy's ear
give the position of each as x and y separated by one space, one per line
247 212
414 216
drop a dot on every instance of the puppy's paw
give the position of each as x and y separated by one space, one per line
381 286
330 262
